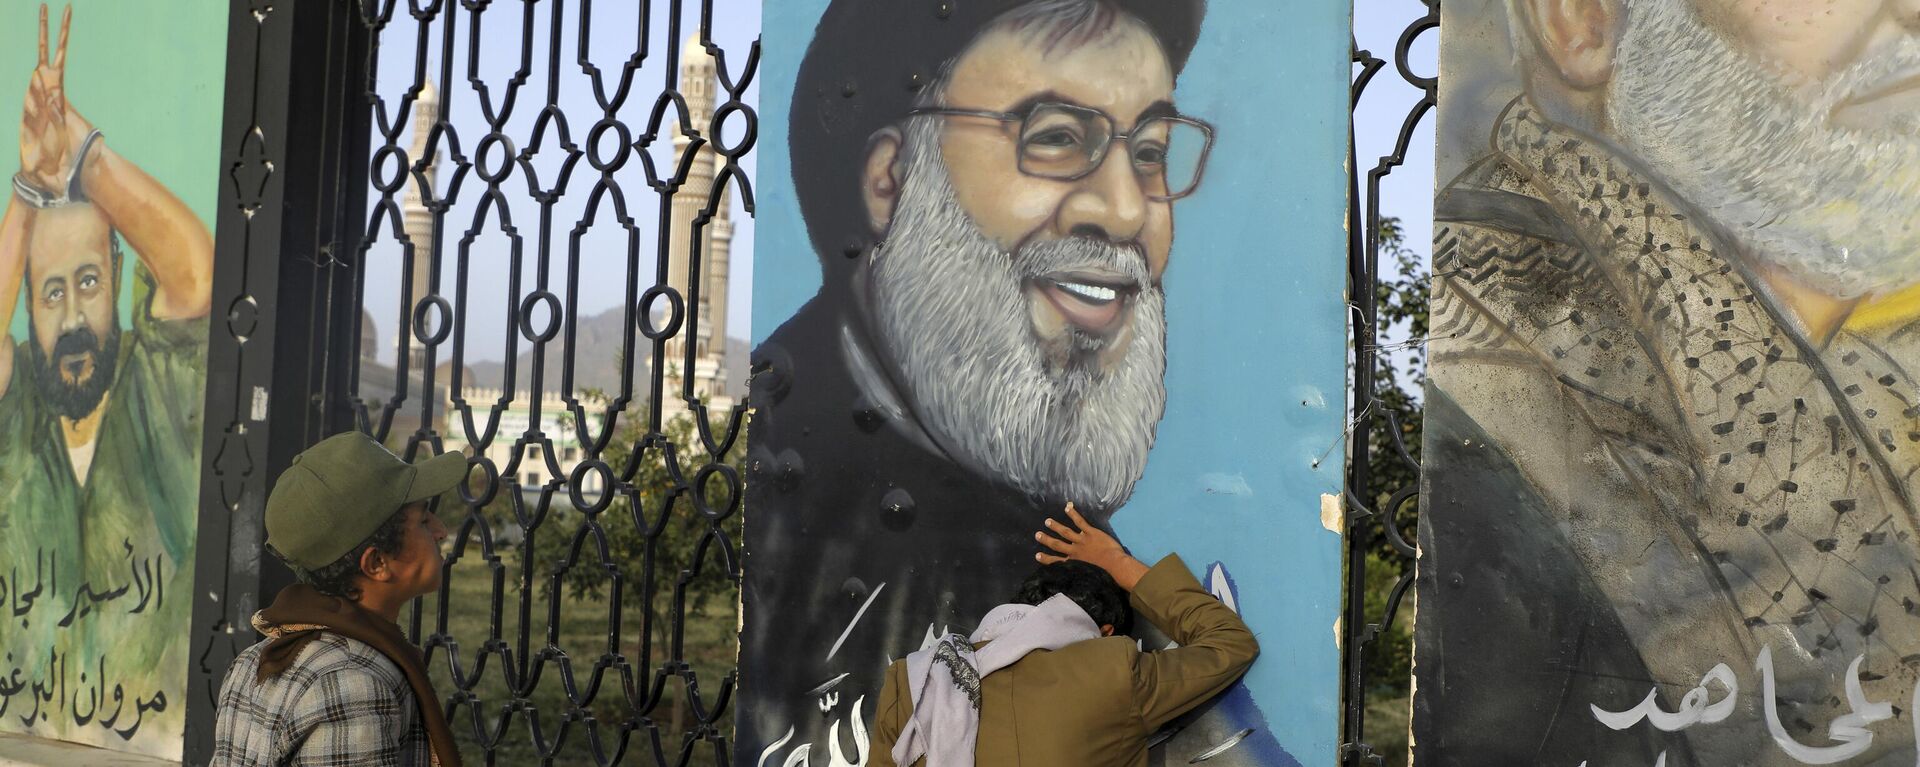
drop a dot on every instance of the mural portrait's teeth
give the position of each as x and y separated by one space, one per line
1094 293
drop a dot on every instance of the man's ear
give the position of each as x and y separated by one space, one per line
373 565
1106 629
880 179
1578 36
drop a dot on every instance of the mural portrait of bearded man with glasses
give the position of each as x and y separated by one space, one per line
991 190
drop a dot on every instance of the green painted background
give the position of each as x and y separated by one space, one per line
150 74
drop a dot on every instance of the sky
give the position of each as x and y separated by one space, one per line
1405 193
1408 191
614 32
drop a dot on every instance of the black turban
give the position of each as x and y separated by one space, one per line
867 63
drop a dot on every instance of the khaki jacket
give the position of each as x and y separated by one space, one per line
1095 703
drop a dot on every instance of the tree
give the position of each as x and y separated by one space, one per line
672 557
676 541
1399 372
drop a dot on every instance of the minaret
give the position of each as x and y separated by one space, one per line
697 88
714 290
418 220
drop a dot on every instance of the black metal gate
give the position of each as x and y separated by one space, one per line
592 525
1377 506
316 174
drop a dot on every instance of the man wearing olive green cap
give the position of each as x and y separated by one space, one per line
335 682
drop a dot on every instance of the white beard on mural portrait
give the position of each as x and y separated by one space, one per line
999 400
1766 158
952 310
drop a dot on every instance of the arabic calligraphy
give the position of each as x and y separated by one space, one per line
1694 708
52 694
802 755
1850 729
40 684
1848 732
146 579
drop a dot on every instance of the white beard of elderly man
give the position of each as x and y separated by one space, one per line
988 342
1676 326
1077 336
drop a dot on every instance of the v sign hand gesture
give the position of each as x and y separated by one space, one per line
46 148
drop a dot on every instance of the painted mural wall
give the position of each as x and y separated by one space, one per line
1014 254
1673 423
105 258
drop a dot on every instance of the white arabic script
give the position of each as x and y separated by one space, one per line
1848 732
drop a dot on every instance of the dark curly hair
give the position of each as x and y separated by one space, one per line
1088 586
338 579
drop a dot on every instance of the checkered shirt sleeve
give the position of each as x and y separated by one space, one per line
341 704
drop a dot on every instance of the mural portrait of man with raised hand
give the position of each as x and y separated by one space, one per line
100 401
95 410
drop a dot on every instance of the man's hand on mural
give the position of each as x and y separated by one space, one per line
46 151
1086 543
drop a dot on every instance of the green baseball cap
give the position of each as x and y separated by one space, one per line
342 489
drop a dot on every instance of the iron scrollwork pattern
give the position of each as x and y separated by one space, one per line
612 154
1367 521
284 200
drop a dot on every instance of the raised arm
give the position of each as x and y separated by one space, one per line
171 241
174 245
1214 646
42 140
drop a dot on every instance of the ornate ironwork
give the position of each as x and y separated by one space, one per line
546 320
317 171
1366 524
285 201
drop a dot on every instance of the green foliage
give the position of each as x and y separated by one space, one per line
1399 371
1390 655
653 524
677 596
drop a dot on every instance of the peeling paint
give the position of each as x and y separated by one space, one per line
1331 512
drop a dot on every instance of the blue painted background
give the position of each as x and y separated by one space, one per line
1256 343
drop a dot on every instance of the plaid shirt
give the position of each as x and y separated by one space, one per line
341 704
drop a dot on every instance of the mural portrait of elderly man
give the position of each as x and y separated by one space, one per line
1673 425
990 190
